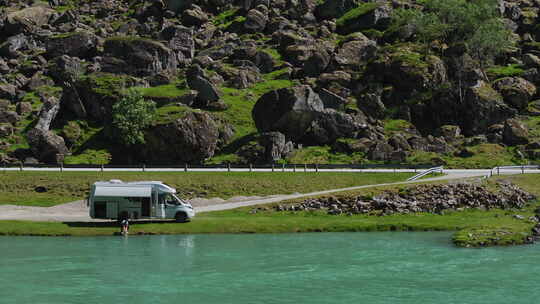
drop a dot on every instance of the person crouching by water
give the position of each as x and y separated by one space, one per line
124 224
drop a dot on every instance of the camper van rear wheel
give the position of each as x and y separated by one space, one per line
180 217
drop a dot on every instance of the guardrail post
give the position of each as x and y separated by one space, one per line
185 167
498 172
272 167
228 167
4 168
61 167
144 168
294 168
522 169
21 166
316 167
282 167
102 167
250 167
305 167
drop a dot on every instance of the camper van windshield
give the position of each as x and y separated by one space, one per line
169 199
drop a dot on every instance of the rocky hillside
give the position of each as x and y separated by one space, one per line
259 81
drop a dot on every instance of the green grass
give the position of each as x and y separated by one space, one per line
241 221
485 156
323 155
18 187
225 18
171 112
396 125
533 124
510 70
167 91
89 156
274 53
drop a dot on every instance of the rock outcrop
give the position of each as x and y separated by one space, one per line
190 139
424 198
137 56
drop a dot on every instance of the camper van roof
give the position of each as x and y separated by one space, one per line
118 183
111 191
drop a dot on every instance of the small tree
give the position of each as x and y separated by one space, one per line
130 116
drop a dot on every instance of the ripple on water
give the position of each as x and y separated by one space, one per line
378 267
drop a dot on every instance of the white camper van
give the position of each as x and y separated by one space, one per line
117 200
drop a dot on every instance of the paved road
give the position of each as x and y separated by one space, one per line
227 206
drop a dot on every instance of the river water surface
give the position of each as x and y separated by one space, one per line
369 268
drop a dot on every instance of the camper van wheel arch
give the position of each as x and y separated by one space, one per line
180 217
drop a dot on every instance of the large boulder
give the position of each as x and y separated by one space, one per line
27 19
194 16
372 105
10 117
289 111
408 70
137 56
256 19
190 139
380 151
180 40
14 45
276 146
483 107
8 91
48 112
245 78
357 51
332 100
264 61
334 8
46 145
77 44
515 133
66 69
94 94
316 63
207 91
367 15
516 91
329 125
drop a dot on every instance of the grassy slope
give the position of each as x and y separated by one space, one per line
18 187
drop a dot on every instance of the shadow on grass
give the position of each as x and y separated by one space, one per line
114 224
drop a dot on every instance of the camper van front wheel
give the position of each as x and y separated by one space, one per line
180 217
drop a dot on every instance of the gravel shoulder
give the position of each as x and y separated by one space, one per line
77 211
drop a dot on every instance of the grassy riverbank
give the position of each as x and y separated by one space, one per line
18 188
474 227
241 221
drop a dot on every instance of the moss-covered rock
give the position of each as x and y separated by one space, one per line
366 15
137 56
77 44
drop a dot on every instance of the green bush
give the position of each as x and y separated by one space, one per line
131 115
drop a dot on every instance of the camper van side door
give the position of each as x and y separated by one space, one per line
160 212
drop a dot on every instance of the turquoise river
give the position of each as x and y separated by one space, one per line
372 268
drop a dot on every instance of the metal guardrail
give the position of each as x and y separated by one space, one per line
188 167
502 168
424 173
